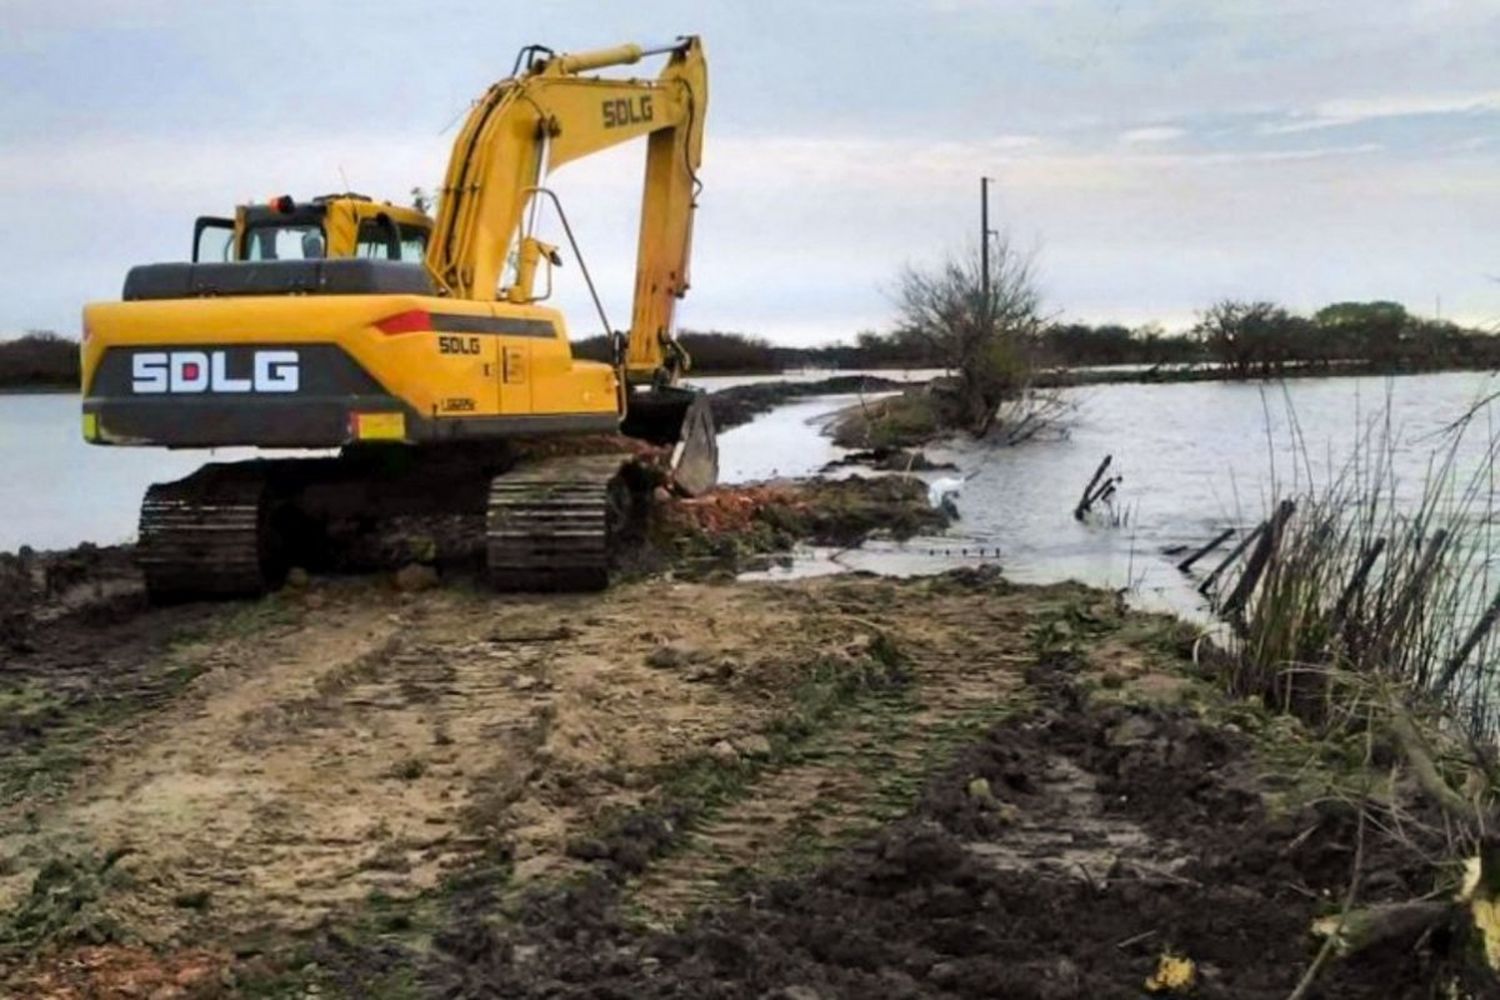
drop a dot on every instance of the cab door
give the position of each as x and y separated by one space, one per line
515 374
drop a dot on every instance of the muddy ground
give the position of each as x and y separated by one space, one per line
843 787
741 404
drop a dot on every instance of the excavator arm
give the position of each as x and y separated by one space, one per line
550 114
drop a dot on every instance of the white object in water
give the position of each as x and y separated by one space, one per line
940 490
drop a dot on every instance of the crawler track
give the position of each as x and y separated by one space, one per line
548 525
206 535
230 530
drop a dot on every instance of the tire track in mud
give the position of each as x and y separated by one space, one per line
339 743
861 771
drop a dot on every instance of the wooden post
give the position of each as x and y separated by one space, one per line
1234 554
1086 500
1259 559
1418 582
1356 582
1478 632
1218 540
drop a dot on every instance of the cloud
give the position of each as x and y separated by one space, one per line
1353 111
1163 152
1152 133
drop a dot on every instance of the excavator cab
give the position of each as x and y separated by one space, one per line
330 225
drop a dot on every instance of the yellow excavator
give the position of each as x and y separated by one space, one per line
463 424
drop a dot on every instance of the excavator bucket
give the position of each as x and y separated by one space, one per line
681 418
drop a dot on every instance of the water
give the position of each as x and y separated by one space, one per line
786 443
713 383
1195 458
56 490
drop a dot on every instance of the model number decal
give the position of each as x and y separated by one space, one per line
458 405
209 371
627 111
458 345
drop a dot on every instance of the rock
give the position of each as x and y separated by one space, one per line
525 682
943 974
668 657
754 746
1008 813
799 993
724 752
1164 689
699 672
297 578
1133 730
523 953
979 790
415 577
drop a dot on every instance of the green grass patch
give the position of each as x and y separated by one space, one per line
66 905
908 420
54 731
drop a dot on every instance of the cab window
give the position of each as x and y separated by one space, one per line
288 242
377 238
213 240
413 243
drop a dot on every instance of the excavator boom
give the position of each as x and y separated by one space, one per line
533 123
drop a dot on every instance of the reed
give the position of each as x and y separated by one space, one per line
1368 575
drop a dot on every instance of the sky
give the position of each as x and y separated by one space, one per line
1155 155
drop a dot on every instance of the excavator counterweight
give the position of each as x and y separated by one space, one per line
447 387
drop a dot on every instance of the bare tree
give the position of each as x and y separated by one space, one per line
1251 337
983 330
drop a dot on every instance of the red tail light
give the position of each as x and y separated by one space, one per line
411 321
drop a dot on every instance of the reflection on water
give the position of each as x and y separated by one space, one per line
1195 457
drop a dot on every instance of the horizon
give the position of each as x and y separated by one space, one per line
1158 158
1135 329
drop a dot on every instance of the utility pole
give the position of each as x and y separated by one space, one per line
985 232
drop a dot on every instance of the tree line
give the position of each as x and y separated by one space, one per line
39 359
1248 339
1258 339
